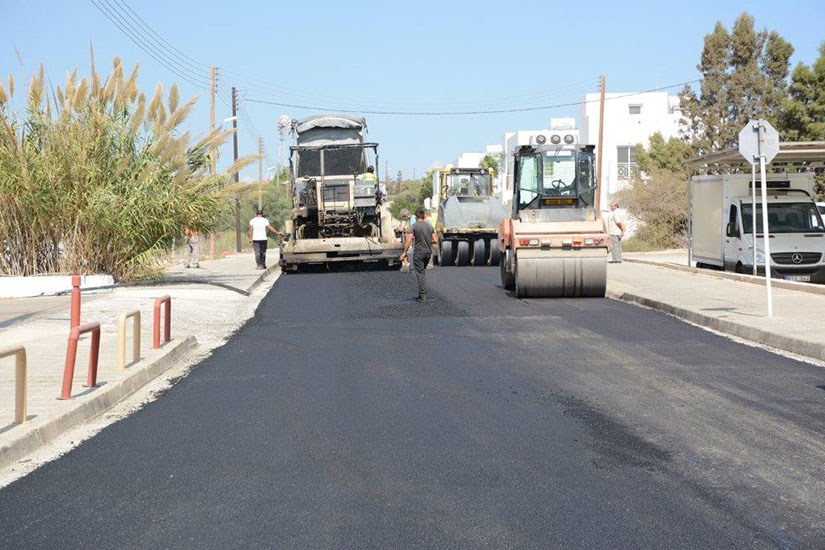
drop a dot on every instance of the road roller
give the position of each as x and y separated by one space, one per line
555 243
468 216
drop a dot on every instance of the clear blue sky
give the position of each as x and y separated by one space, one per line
391 56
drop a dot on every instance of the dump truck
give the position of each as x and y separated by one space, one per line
555 243
468 217
723 232
339 212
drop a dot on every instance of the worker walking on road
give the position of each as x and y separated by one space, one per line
258 226
616 228
421 240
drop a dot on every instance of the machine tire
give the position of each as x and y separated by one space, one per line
508 280
495 254
462 253
479 252
445 256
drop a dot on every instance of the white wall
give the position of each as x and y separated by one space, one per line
659 113
468 160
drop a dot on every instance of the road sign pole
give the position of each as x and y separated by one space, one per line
753 215
765 226
759 142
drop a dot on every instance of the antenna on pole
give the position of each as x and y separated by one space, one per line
284 127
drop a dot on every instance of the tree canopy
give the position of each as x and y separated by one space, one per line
803 111
744 76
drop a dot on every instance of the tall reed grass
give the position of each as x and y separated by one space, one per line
97 177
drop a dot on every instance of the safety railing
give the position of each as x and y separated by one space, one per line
20 382
121 338
167 321
71 356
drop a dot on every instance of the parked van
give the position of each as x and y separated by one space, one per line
722 225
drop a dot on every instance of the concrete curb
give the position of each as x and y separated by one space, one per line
753 334
96 404
259 280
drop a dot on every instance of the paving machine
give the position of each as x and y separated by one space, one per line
555 242
338 214
468 216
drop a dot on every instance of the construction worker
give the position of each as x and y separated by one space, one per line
421 242
369 175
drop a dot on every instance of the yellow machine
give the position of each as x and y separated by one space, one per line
555 242
468 217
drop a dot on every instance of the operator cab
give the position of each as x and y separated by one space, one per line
464 184
554 177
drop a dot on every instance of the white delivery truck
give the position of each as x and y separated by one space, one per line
722 225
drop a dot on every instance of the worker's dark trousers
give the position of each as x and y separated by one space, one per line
260 252
420 266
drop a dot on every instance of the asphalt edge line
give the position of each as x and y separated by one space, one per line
752 334
97 404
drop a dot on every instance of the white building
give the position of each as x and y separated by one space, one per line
629 119
512 140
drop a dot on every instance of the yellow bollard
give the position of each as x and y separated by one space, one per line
121 338
20 383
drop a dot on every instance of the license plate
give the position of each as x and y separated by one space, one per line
798 278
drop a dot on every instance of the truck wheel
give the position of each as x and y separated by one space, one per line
495 254
479 252
508 280
446 256
462 253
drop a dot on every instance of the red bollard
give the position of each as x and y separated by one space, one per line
75 316
167 321
71 356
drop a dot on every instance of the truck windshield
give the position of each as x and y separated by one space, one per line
784 217
469 185
338 161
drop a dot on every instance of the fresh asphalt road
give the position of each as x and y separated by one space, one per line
346 415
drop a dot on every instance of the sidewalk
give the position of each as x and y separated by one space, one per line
207 305
726 302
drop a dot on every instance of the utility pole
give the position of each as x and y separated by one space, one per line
237 175
599 150
260 173
213 84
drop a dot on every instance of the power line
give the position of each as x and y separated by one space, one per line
278 90
197 65
473 112
191 70
117 19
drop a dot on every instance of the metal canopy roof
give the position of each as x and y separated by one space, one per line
789 152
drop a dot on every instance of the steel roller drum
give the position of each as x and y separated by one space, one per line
557 277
